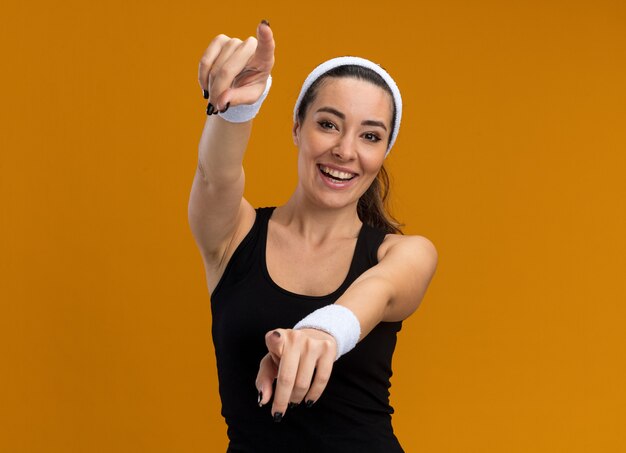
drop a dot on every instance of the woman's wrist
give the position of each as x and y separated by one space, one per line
338 321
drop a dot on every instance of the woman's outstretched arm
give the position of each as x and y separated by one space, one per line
234 72
390 291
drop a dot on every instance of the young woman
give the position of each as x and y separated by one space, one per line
306 298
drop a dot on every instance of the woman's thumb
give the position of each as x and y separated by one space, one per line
246 95
275 342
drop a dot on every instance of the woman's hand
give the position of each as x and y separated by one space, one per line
301 362
235 72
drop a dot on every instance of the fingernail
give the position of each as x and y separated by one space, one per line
309 403
205 93
260 398
225 108
292 405
276 334
265 22
209 109
278 416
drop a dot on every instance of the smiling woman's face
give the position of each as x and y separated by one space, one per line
343 140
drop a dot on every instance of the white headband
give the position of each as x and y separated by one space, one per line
343 61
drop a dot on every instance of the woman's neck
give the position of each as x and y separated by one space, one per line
317 224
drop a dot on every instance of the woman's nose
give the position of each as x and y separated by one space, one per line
344 149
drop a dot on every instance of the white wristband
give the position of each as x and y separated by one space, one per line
245 112
337 320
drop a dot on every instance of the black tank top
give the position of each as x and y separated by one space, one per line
353 413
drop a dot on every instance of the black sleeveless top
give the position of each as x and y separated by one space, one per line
353 413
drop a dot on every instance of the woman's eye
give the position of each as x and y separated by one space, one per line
326 125
371 137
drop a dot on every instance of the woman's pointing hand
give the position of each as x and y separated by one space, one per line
301 362
235 72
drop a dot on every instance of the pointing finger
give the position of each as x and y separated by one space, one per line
285 380
263 59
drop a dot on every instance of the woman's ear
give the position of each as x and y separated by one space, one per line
295 132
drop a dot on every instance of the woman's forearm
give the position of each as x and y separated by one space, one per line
368 298
221 150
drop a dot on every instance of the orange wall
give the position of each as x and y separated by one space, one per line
511 159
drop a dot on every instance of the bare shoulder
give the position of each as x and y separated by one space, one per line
414 245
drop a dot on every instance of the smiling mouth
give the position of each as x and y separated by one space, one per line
335 174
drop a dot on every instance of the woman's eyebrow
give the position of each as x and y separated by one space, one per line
374 123
343 117
333 111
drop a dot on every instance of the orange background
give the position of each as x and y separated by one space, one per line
511 159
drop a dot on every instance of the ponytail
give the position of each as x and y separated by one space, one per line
372 206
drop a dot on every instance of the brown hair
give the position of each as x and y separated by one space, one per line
372 207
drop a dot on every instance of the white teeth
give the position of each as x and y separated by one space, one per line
336 173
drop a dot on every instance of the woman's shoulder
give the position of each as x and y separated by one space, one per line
407 244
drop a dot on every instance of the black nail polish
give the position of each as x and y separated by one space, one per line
265 22
276 334
209 109
292 405
278 416
225 108
260 398
205 94
309 403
